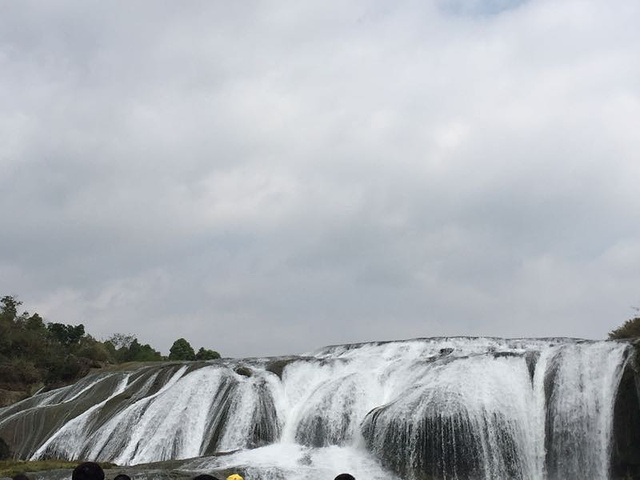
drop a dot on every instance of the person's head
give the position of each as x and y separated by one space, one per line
204 476
20 476
88 471
345 476
122 476
234 476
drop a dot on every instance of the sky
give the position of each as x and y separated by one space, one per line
266 178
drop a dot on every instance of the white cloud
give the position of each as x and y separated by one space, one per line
270 178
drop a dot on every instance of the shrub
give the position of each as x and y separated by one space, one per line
18 371
94 351
204 354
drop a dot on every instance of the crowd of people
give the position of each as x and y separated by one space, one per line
93 471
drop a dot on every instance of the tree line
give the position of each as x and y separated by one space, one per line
37 354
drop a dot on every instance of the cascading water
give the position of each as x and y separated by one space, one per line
449 408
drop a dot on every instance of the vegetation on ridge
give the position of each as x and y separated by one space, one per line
629 329
35 354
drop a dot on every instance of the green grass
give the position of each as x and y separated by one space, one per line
9 468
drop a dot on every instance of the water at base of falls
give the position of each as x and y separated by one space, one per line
445 408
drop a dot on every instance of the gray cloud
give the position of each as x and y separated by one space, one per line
267 179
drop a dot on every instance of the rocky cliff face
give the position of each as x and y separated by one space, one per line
625 450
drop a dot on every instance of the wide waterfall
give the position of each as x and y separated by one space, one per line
444 408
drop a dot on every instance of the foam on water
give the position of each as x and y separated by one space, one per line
283 461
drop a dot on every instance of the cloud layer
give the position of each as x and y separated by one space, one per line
269 178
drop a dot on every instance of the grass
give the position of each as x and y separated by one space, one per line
10 468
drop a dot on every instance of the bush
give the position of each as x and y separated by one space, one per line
17 372
94 351
204 354
65 370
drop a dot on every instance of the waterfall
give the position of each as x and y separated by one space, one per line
580 382
444 408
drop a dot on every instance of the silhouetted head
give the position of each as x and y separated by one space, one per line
204 476
122 476
88 471
345 476
21 476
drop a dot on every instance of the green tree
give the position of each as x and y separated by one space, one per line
146 353
126 348
181 350
35 323
66 334
92 349
629 329
119 340
204 354
9 308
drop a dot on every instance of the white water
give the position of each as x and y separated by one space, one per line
449 405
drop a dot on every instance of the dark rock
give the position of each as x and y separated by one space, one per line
505 354
244 371
265 428
224 398
532 358
438 445
625 452
5 451
277 366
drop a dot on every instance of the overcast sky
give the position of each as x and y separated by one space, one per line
267 178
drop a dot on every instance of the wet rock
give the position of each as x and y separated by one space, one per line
625 452
438 445
277 366
506 354
244 371
532 358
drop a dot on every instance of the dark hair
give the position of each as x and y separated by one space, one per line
205 476
88 471
345 476
20 476
122 476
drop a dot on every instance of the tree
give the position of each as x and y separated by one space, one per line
92 349
66 334
35 323
119 340
126 348
181 350
141 353
629 329
9 307
204 354
146 353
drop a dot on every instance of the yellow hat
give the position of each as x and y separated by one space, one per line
235 476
